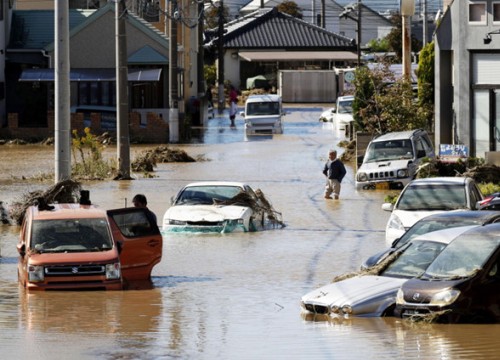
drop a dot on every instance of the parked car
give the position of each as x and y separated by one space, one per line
215 206
343 112
490 202
370 295
74 246
461 285
328 114
423 197
435 222
391 160
263 114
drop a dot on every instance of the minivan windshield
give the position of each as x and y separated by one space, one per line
389 150
345 107
463 257
70 235
433 197
263 108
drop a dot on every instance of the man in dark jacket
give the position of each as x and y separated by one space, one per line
334 171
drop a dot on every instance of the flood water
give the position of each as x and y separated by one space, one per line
230 296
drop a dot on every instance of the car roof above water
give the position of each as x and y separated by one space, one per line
263 98
67 211
398 135
444 236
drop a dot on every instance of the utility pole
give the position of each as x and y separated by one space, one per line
407 10
200 59
62 120
424 23
359 32
173 118
220 64
122 126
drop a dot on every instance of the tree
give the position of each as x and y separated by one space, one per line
378 45
212 16
425 75
291 8
385 104
395 38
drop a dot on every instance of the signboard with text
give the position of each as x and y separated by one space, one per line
452 152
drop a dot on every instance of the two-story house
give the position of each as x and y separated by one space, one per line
467 76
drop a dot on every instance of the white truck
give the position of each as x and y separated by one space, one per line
263 114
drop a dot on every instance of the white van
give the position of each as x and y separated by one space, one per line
263 114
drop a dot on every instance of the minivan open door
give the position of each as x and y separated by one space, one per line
140 239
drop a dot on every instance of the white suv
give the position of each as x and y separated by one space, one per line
391 160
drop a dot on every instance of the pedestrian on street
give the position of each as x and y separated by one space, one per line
334 171
140 201
233 104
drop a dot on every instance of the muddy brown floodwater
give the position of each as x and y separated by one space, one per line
231 296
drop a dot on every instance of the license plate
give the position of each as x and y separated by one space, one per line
382 186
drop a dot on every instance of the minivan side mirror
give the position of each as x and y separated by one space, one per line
387 206
21 249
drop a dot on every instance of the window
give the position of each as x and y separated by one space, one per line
477 13
496 12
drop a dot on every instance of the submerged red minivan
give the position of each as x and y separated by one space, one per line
76 246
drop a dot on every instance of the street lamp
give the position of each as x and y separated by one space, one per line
487 38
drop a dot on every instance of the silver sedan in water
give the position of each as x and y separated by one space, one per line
375 295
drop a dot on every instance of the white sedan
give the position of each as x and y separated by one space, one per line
215 206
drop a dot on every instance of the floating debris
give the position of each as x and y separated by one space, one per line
66 191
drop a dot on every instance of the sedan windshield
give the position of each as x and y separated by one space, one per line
433 197
70 235
415 258
463 257
426 226
205 195
389 150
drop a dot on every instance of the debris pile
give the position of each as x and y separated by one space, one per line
66 191
243 199
147 160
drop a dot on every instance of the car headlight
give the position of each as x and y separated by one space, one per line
395 223
35 273
335 309
347 309
113 271
249 123
444 298
402 173
400 297
176 222
362 176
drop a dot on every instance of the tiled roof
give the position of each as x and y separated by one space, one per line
271 29
34 29
147 55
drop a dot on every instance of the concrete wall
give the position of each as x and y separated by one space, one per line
155 130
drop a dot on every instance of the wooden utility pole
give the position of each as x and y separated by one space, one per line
220 61
122 108
62 120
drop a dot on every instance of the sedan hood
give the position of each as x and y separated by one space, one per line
210 213
367 295
343 118
408 218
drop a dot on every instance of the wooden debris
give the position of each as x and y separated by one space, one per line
66 191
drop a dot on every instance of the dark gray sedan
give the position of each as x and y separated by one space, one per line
436 222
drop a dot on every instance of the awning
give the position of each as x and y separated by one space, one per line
298 55
91 75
